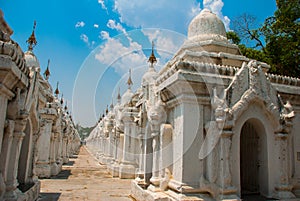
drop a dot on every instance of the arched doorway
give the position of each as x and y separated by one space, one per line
253 159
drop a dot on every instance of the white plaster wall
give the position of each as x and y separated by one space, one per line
295 134
187 139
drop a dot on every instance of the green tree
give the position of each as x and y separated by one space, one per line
252 53
282 35
277 41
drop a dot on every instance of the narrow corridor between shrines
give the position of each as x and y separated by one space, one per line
83 178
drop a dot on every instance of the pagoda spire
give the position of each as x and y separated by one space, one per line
56 90
62 99
152 59
129 81
47 71
31 41
119 96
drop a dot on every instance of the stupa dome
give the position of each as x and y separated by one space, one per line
150 76
31 60
206 26
126 97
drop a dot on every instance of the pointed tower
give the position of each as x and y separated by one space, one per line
56 92
128 94
129 81
62 99
47 71
32 40
31 60
119 97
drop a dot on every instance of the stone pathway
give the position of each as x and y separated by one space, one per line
83 178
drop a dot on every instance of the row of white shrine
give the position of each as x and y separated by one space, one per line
37 134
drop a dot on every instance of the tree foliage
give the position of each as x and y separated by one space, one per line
277 41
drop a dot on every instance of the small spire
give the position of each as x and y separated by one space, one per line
32 40
103 115
119 96
66 106
152 59
62 99
111 107
106 111
56 90
47 71
129 81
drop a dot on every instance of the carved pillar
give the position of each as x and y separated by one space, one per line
148 155
224 178
53 164
64 150
115 166
43 169
5 154
5 94
283 190
155 179
11 180
127 167
140 173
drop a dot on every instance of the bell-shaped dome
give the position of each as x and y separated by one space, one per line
150 76
31 60
207 26
126 97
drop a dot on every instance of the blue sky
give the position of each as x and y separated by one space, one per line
93 43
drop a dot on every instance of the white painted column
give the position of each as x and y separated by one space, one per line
284 188
5 154
11 182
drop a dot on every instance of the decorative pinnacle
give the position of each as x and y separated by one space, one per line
32 40
129 81
62 99
119 96
111 107
152 58
47 71
56 90
66 106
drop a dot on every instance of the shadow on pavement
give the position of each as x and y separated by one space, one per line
70 163
64 174
49 196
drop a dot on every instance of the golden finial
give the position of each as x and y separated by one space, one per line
66 106
32 40
119 96
62 99
56 90
47 71
152 58
111 107
129 81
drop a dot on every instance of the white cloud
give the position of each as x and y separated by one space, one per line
101 2
120 56
80 24
174 15
167 43
216 7
96 26
86 40
117 26
104 35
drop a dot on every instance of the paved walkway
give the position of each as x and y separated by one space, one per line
83 178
